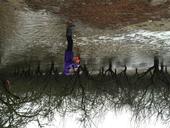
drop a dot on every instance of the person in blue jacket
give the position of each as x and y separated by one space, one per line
71 62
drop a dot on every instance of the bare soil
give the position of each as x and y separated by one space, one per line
114 14
108 13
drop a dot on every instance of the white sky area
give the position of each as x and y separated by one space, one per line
121 119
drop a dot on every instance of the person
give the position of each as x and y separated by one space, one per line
71 62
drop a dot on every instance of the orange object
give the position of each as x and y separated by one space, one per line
7 84
76 59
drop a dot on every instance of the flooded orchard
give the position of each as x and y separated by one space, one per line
123 75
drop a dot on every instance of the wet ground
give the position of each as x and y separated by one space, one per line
28 36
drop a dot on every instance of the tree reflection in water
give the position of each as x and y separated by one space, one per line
36 95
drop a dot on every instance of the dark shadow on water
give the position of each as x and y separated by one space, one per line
33 94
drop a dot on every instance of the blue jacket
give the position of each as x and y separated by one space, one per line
68 62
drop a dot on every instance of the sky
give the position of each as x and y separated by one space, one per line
109 120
